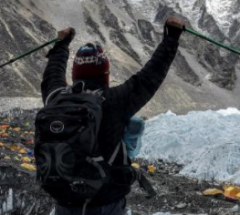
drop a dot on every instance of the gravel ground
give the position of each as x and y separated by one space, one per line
175 194
178 195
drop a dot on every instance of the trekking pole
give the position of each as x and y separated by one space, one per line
30 52
212 41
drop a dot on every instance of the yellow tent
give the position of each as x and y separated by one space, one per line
231 191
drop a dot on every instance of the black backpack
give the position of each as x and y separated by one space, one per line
69 163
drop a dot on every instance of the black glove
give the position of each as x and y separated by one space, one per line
173 28
123 176
66 36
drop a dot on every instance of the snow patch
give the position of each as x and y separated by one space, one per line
229 111
52 212
147 8
7 103
10 200
221 10
137 3
7 205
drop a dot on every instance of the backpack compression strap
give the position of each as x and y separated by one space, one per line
142 180
94 162
125 160
114 154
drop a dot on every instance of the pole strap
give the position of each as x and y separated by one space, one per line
146 186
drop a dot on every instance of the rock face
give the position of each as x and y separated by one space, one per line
205 76
21 30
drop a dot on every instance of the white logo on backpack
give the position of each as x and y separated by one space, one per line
57 127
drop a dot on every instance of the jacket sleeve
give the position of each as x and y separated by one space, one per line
141 87
54 75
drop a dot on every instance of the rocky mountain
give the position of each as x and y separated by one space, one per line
202 76
21 30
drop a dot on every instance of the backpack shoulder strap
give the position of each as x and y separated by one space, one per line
98 93
63 90
81 84
52 94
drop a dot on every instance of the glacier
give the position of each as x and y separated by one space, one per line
206 143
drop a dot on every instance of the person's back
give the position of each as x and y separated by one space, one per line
91 68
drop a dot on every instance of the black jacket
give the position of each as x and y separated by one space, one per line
121 103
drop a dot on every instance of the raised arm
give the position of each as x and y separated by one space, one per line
140 88
54 75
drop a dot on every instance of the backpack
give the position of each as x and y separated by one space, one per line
69 163
132 136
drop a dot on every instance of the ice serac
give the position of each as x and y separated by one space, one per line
206 143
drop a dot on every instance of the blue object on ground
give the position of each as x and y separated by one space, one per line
30 152
132 136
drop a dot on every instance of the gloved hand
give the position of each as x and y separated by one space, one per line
173 28
66 36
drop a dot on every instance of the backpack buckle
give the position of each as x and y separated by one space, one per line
79 187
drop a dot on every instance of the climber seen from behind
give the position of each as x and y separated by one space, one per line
81 158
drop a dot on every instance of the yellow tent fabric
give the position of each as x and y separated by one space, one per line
28 166
151 169
26 159
136 165
231 191
212 192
